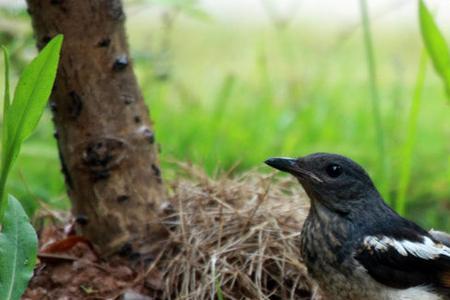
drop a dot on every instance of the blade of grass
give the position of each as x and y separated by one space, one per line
448 170
218 290
375 99
6 98
436 45
408 146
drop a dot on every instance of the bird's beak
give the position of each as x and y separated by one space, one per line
291 166
284 164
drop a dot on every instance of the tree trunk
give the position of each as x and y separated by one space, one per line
105 138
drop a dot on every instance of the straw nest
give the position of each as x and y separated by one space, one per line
235 239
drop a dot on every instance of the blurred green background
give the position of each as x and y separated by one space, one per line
232 83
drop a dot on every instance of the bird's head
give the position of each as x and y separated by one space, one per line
332 180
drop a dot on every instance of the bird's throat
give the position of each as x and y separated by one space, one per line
318 203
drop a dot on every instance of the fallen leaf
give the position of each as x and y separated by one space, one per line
65 244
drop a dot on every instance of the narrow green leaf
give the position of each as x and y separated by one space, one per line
382 173
407 150
33 89
30 97
435 44
6 104
18 250
218 289
6 98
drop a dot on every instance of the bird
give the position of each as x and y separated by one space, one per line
356 247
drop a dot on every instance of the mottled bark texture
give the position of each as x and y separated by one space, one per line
105 138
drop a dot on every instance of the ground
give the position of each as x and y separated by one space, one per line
236 237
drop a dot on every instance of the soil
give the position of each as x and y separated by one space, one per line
239 234
69 268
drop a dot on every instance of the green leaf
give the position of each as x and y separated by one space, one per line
31 95
33 90
218 289
6 98
407 149
435 44
18 250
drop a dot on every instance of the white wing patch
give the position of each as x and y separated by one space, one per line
427 249
414 293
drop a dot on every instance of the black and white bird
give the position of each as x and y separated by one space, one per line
355 246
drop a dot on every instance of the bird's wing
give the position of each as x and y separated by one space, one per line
440 236
406 262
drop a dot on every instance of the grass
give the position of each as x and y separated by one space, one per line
230 96
375 99
411 136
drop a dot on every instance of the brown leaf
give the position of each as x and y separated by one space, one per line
65 244
49 257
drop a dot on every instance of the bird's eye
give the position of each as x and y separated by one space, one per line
334 170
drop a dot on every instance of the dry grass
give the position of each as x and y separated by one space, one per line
236 237
229 239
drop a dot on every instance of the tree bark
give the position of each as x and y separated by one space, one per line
105 138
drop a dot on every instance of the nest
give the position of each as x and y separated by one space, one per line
229 239
235 239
